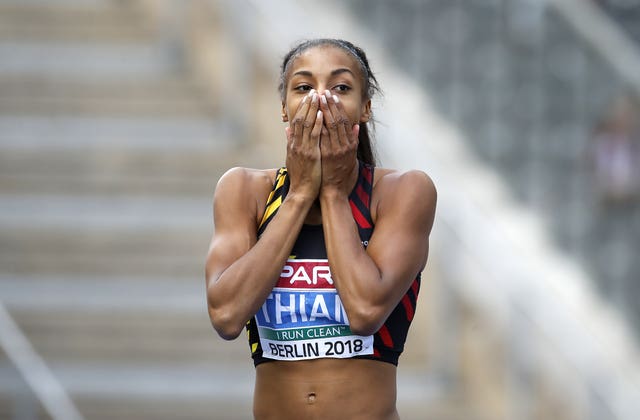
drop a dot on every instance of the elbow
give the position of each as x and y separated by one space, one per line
223 318
224 324
364 328
366 322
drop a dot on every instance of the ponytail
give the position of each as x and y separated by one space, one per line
366 153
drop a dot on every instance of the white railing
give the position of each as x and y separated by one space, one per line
598 30
35 371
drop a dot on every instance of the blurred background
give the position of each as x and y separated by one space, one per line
118 117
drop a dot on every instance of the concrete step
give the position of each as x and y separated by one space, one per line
76 172
85 61
165 97
151 390
76 155
104 235
128 335
141 250
72 132
133 319
114 171
49 181
101 295
106 213
88 21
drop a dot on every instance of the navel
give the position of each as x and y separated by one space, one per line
311 398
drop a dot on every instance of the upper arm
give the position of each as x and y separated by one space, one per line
400 242
234 216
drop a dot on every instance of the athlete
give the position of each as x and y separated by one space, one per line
320 260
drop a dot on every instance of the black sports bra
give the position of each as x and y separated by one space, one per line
303 317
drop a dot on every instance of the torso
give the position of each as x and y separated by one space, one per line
327 389
324 388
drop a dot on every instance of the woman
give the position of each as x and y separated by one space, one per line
321 261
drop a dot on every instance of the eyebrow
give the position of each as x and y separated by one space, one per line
333 72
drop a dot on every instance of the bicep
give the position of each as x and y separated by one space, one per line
225 249
234 217
400 242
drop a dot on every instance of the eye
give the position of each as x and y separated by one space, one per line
342 88
302 88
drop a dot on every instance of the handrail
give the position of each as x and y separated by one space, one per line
606 38
35 371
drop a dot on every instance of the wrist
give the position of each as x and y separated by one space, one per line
332 195
299 200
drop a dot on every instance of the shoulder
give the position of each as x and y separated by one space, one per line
245 180
244 188
392 189
391 183
247 177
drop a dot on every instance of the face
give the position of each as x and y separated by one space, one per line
327 68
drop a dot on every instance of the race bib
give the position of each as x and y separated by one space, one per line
303 317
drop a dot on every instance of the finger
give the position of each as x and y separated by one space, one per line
301 114
290 140
355 132
317 129
329 121
289 133
311 117
343 126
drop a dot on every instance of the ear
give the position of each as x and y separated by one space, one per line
365 116
285 117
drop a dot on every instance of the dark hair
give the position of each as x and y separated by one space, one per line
366 152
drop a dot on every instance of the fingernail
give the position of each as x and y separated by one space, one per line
319 114
324 99
312 92
305 99
326 92
315 97
335 99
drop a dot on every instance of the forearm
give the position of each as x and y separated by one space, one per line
238 292
355 274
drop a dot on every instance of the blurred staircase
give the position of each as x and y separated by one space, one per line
109 153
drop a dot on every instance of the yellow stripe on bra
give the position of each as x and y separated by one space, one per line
274 202
271 208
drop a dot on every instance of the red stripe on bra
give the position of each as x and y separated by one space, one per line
357 215
415 286
367 174
385 336
408 307
362 195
